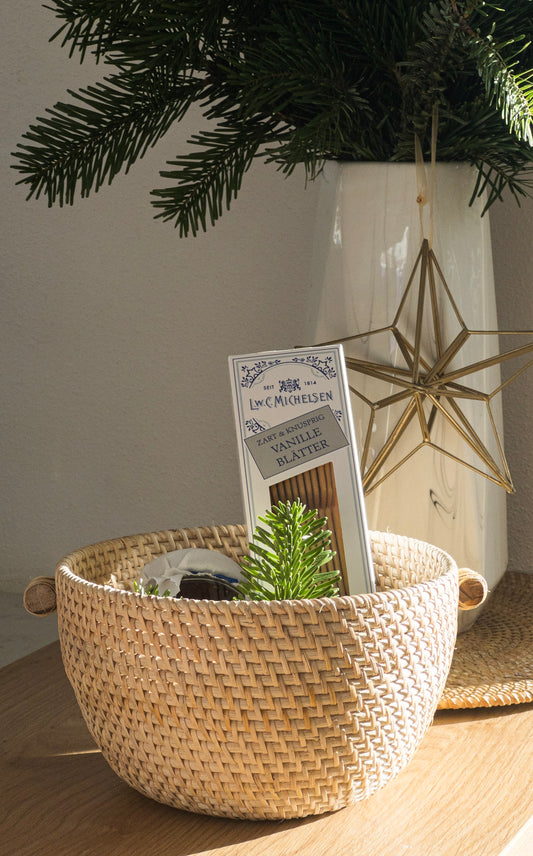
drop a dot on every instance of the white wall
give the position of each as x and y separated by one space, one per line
512 246
116 413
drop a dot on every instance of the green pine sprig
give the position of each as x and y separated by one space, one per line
286 558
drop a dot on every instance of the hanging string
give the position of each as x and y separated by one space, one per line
433 173
426 193
421 183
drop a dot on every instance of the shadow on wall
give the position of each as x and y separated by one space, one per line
512 243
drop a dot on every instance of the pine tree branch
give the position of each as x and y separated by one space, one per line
495 177
292 82
512 94
107 128
142 33
93 26
208 180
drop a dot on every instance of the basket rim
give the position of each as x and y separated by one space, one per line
64 568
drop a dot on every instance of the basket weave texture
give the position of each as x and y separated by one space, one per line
493 661
257 710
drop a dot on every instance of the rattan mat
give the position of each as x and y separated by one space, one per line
493 661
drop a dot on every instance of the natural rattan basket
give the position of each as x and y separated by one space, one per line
257 709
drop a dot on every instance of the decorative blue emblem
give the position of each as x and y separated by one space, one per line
291 384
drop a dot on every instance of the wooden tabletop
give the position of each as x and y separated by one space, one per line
468 791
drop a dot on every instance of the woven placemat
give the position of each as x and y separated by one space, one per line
493 661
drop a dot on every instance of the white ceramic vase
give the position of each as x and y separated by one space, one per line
368 236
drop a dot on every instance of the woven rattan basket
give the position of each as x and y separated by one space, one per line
257 709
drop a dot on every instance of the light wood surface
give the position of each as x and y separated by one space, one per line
468 791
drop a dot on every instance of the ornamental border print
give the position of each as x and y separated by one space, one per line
251 373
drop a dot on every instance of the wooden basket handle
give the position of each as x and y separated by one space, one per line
473 589
40 596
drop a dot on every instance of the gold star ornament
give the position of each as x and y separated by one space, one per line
422 388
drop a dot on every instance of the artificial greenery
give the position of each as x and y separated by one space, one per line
289 81
285 559
153 589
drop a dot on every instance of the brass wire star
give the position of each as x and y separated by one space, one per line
428 385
